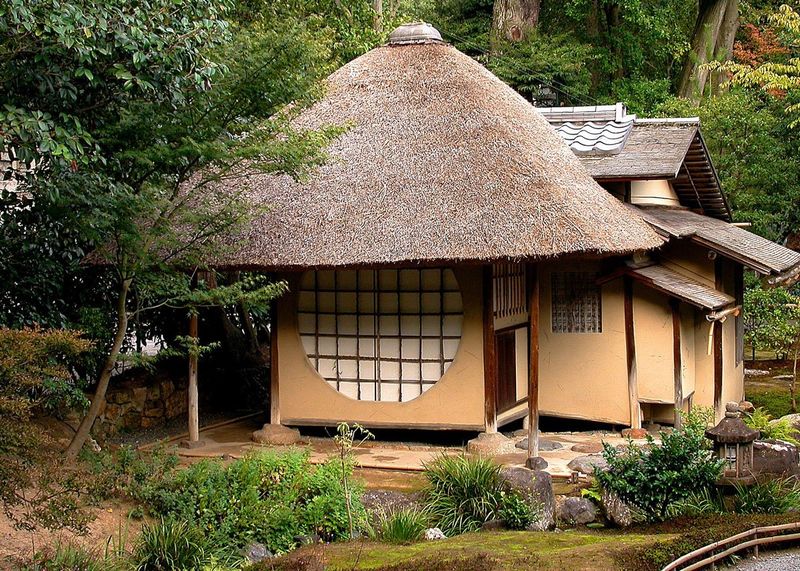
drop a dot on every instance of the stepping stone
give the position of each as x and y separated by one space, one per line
544 445
587 447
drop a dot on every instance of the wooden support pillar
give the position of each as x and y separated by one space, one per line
717 342
192 395
676 361
630 352
274 387
533 362
489 353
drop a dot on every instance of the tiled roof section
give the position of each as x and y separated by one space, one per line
670 149
760 254
596 138
679 286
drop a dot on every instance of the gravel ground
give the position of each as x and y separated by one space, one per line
777 561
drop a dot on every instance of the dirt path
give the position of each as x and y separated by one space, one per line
111 525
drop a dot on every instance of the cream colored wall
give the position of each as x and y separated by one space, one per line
583 375
456 401
652 318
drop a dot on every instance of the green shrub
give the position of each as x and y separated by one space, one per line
170 546
781 429
66 557
655 477
768 497
404 525
462 493
515 511
267 497
703 502
129 472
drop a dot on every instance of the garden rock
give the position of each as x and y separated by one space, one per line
794 420
616 510
433 533
277 435
588 447
256 552
491 444
536 463
535 486
493 525
586 464
635 433
746 406
577 511
544 445
307 539
775 457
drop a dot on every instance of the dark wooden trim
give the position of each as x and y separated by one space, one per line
274 390
489 354
380 424
533 361
507 328
676 360
717 341
630 353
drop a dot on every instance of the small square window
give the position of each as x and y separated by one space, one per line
576 303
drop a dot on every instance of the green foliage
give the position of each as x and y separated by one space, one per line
655 477
768 497
708 501
35 375
405 525
267 497
772 319
69 557
775 402
463 493
170 545
781 429
130 473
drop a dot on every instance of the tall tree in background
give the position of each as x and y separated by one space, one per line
712 40
513 20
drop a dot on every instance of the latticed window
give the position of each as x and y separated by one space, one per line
380 335
576 303
509 297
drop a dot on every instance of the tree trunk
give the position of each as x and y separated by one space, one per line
377 21
714 31
793 384
613 21
82 434
513 20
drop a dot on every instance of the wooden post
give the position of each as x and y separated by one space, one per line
489 353
274 390
193 406
676 361
717 340
630 351
533 361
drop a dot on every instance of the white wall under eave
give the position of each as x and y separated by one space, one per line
656 192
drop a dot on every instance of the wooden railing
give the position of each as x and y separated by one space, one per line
750 539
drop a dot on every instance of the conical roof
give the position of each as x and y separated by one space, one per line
442 161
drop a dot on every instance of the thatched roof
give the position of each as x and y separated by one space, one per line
442 162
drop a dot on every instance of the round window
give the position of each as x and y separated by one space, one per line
380 335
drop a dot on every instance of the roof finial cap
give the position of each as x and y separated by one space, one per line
415 33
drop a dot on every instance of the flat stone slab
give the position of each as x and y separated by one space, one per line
276 435
586 464
588 447
545 445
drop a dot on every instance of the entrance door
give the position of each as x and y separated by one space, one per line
505 347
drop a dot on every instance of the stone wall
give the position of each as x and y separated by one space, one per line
142 400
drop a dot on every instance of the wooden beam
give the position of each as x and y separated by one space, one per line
717 342
193 396
533 361
489 354
630 352
676 361
274 388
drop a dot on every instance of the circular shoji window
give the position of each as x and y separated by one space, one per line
380 335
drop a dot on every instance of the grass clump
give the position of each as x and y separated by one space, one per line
463 493
768 497
401 526
67 557
780 429
170 545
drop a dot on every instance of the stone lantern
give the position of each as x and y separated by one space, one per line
733 443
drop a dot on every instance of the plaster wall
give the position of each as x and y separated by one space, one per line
455 401
583 375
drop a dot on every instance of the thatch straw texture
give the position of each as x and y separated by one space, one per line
443 162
